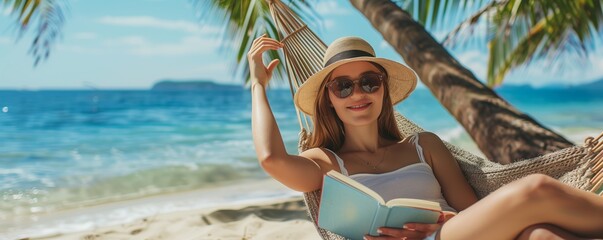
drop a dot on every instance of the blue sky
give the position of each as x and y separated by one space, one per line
132 44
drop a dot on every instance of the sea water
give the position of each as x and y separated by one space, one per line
62 150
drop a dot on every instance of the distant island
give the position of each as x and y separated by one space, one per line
191 85
595 85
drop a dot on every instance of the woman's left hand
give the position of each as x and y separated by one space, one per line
410 231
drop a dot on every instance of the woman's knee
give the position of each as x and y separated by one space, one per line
545 232
530 191
537 186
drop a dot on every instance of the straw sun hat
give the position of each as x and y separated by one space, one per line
401 79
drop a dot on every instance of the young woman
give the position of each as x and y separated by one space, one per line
351 101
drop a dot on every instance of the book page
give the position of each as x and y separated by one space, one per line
415 203
353 183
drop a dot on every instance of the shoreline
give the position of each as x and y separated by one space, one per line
86 219
278 219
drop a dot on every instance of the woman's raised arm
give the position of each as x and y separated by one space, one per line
301 173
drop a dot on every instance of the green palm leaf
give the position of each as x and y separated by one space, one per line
517 31
246 20
46 16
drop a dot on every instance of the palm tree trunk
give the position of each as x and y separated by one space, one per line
503 133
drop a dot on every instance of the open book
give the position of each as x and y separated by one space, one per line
352 210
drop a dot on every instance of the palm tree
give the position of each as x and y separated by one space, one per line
520 32
525 30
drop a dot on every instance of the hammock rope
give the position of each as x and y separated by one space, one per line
595 148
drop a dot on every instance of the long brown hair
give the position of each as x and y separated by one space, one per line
328 127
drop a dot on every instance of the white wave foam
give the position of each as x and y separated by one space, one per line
128 211
451 134
12 177
577 134
19 172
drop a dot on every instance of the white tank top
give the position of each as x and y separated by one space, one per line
413 181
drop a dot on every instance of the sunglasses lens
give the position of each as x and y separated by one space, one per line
370 82
342 87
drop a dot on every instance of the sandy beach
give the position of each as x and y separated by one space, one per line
281 219
278 215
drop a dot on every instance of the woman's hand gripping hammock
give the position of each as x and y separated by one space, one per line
261 74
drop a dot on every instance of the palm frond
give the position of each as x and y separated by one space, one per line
513 54
46 16
467 26
528 30
517 32
246 20
438 15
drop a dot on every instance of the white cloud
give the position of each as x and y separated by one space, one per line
5 40
7 11
439 35
596 72
479 32
567 70
84 36
127 41
475 61
384 44
146 21
329 8
190 45
329 23
79 49
219 70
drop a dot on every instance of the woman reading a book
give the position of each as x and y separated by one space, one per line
351 101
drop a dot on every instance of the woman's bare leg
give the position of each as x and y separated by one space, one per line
535 199
548 232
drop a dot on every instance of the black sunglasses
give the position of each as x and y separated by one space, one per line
343 87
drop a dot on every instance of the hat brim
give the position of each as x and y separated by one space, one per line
401 82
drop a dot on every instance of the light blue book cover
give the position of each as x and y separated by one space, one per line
352 210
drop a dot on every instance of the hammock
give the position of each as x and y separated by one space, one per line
578 166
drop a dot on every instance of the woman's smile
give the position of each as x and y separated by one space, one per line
360 107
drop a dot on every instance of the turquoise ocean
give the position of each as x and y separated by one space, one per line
64 150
